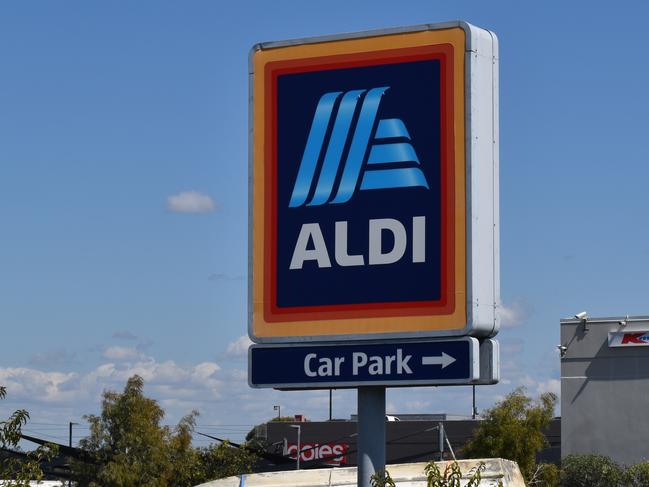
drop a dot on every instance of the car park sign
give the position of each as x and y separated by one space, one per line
441 362
374 184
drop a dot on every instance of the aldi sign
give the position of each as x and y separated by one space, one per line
374 186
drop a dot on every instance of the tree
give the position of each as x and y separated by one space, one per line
18 471
133 449
223 460
513 429
128 441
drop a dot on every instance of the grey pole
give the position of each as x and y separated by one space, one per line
371 433
330 404
441 442
474 412
70 443
299 444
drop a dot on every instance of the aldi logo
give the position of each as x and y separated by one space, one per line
359 216
391 153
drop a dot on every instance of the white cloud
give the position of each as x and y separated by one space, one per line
201 381
550 385
122 353
239 347
513 315
221 393
190 202
37 384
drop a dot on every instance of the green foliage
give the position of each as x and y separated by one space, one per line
591 471
20 470
450 478
128 441
218 461
452 475
133 449
512 429
545 475
382 479
638 475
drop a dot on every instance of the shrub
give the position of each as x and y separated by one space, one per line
638 475
451 477
382 479
591 471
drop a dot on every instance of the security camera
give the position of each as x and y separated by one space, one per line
562 350
582 316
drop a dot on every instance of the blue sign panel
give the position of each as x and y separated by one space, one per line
359 176
387 363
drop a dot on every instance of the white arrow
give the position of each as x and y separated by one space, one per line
444 360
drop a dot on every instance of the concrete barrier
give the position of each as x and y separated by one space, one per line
404 475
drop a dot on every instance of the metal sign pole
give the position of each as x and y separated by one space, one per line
371 433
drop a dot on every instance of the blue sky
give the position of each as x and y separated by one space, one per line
110 111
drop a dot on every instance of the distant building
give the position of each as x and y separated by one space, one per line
605 387
411 439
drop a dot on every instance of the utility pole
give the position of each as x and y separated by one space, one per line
330 404
299 443
474 412
70 443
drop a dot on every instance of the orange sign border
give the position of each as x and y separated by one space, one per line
368 322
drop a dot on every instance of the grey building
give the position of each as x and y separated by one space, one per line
605 387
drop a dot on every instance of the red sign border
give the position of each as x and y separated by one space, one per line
446 304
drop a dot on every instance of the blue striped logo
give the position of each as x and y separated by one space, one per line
384 159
